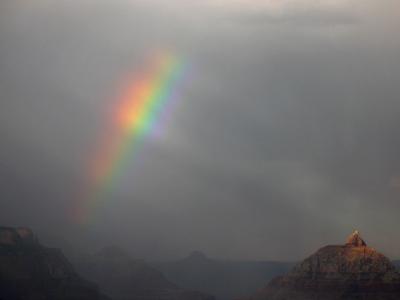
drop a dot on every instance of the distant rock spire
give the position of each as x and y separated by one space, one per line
355 240
197 256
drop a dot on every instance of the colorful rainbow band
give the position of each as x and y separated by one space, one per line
138 112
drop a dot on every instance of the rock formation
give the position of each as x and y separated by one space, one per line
355 240
225 279
33 272
122 277
349 271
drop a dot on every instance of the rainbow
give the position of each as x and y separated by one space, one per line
138 112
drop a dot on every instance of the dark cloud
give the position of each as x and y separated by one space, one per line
285 134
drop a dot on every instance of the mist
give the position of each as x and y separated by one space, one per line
284 138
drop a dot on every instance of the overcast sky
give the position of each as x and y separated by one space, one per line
285 137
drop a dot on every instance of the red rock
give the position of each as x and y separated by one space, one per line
350 271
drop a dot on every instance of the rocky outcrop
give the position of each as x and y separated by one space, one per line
30 271
349 271
355 240
122 278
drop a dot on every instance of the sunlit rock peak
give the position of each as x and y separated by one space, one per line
337 272
355 240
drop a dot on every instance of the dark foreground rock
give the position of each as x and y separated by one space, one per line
352 271
29 271
124 278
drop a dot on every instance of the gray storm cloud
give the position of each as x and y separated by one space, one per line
285 134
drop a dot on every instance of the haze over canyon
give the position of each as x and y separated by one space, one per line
183 149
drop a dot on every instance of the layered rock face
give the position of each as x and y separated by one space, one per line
123 278
33 272
349 271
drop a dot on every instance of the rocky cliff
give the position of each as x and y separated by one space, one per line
349 271
33 272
